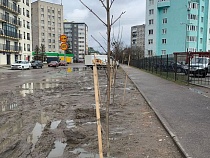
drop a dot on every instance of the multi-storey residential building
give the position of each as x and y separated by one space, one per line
13 33
176 26
138 36
47 25
77 39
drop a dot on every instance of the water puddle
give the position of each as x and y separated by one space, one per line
51 80
58 150
79 68
10 107
35 134
55 124
198 91
29 88
84 154
70 124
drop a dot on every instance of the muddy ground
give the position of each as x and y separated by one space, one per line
51 113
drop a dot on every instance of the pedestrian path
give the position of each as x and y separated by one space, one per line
184 113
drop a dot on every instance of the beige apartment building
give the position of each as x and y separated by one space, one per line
47 25
15 31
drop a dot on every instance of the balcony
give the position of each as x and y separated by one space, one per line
10 35
10 20
10 48
10 7
163 3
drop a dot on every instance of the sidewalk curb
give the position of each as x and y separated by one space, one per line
163 122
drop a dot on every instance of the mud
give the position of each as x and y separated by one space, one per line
53 115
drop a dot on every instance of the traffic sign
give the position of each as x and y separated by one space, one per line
64 46
63 38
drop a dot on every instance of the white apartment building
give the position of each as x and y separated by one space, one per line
47 25
77 34
12 40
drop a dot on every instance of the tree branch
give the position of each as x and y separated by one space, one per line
102 2
112 1
93 12
99 44
118 18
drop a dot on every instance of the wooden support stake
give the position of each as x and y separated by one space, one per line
126 78
96 87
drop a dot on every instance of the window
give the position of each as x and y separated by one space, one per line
201 29
164 31
192 17
191 38
165 10
163 52
53 11
27 13
24 25
42 15
27 2
202 8
42 9
151 21
201 19
59 12
28 25
49 34
24 47
24 35
151 11
28 36
150 41
49 40
23 11
42 33
49 46
151 2
150 52
28 47
48 10
164 41
201 40
150 32
164 20
42 21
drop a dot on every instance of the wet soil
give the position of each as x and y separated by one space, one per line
51 113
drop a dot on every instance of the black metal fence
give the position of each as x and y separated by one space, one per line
190 67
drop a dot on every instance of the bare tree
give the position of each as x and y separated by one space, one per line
109 22
36 52
42 52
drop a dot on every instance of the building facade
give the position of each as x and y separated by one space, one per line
138 36
15 31
176 26
77 34
47 25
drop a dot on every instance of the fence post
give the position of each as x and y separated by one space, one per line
188 71
167 65
161 63
175 67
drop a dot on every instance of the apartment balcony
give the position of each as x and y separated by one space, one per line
10 35
10 7
10 48
10 20
163 3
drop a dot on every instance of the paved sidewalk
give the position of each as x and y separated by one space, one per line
184 112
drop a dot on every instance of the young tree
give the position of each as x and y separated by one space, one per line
36 52
42 52
109 23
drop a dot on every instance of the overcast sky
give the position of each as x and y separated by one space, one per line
75 11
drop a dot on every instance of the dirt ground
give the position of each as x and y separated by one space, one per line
52 114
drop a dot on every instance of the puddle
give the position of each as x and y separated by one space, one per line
51 80
10 107
58 150
28 88
79 68
54 124
198 91
89 123
84 154
35 134
70 124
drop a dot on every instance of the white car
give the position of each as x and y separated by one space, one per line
21 64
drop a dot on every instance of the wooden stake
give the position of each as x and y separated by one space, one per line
126 78
96 87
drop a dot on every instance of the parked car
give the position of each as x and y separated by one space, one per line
171 66
36 64
21 64
53 64
199 66
62 63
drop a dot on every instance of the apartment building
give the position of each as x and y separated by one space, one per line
77 34
47 25
176 26
138 36
13 14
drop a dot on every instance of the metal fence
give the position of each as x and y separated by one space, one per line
188 67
